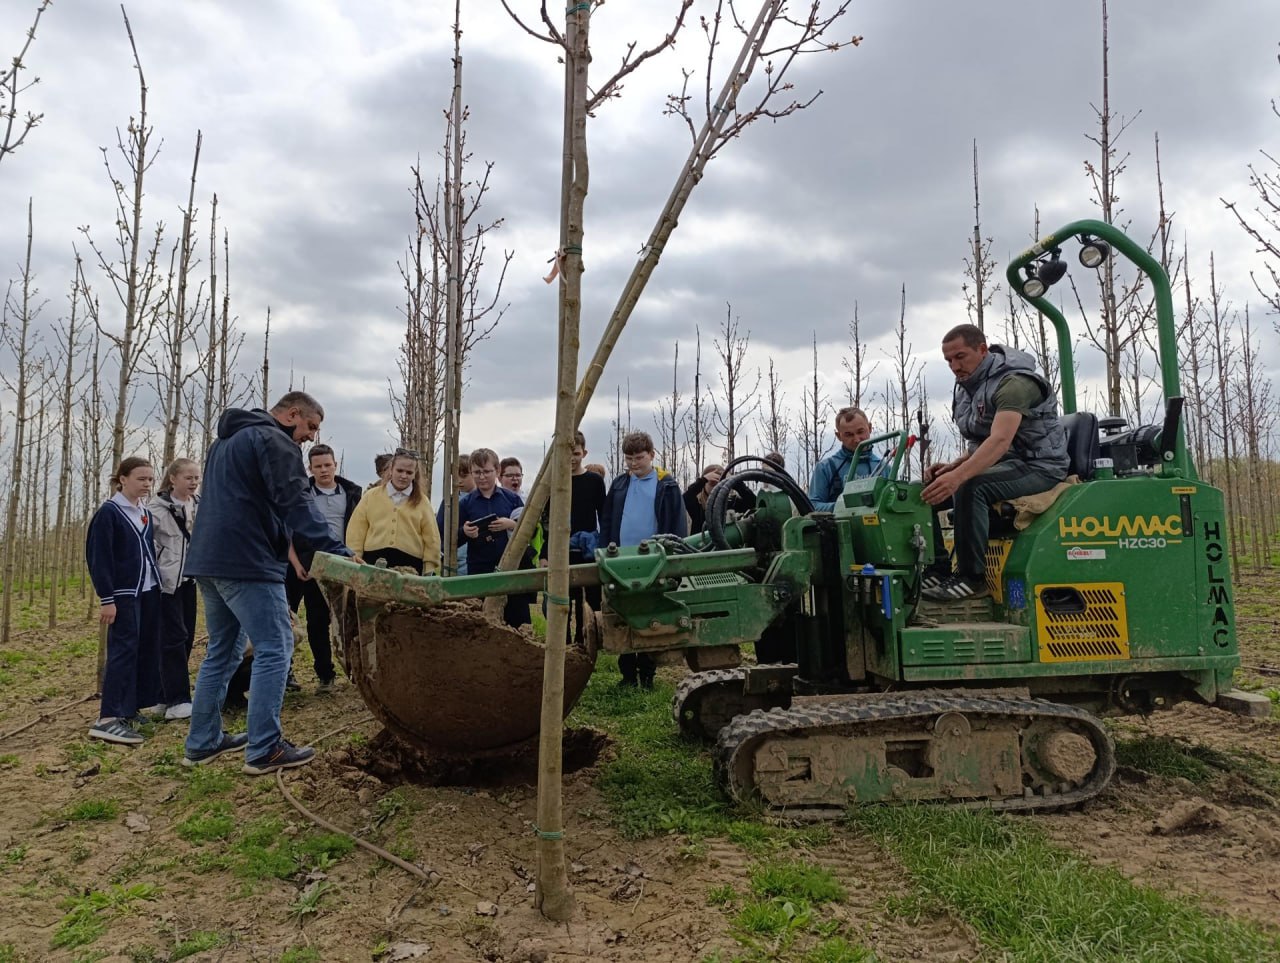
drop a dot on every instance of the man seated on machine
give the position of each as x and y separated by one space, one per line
1008 416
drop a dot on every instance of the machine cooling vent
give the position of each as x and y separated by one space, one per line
1082 622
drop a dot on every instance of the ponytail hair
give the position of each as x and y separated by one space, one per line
125 468
176 467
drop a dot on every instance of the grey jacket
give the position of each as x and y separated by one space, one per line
1040 440
173 536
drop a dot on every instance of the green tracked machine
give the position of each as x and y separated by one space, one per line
1116 599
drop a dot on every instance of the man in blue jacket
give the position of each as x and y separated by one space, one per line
836 469
643 501
256 496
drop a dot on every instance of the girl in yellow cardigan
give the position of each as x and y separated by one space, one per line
395 522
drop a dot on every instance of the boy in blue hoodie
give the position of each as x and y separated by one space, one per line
643 502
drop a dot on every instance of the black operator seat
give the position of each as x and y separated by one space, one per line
1081 428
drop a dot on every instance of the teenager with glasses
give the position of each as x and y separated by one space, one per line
485 525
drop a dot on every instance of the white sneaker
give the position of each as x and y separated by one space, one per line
154 712
179 710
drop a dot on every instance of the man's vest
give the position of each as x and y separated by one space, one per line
1040 439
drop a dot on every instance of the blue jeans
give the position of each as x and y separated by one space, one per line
234 608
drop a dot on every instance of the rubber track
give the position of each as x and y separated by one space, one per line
690 684
746 732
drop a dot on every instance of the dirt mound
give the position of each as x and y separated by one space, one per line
395 762
449 681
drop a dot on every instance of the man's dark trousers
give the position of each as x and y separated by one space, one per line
972 501
309 592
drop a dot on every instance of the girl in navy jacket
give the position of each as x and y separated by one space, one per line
120 550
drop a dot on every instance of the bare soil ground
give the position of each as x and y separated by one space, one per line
1218 840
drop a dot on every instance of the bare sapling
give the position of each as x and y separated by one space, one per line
19 312
774 41
1262 224
774 430
980 285
670 417
12 86
133 272
68 338
740 398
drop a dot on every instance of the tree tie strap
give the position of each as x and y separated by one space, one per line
555 599
576 8
548 834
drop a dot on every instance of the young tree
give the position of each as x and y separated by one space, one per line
1262 224
979 265
134 277
721 118
856 364
69 337
774 430
669 418
175 330
12 86
1114 329
812 429
741 394
23 309
698 424
907 367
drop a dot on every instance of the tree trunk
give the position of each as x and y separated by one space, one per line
20 349
554 897
704 145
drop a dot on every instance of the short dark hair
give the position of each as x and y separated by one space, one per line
580 440
971 333
507 463
635 442
300 400
380 463
846 414
775 458
484 456
463 465
319 450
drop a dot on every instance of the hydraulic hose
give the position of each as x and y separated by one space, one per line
718 502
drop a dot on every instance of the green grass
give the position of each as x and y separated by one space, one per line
214 820
13 855
300 954
308 901
87 916
197 942
838 950
9 761
659 782
93 810
1042 904
1173 758
1162 756
796 881
260 850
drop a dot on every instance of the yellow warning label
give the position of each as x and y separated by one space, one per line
1184 490
870 519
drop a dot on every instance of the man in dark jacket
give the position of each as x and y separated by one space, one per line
1007 414
642 502
256 495
336 497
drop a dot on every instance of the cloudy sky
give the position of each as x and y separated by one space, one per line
313 111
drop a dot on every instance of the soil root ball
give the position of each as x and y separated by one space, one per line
449 681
